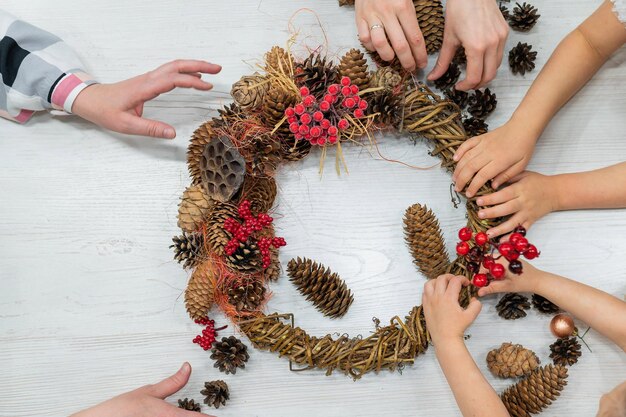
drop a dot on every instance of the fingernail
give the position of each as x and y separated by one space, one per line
479 201
469 195
169 133
455 157
430 77
481 214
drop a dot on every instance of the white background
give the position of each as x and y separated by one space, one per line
90 300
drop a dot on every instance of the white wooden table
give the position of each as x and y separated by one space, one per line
90 300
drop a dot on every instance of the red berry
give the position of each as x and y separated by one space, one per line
304 91
332 131
362 104
345 81
465 234
345 91
531 252
515 237
521 230
308 101
293 127
329 98
290 112
299 109
321 141
303 130
349 103
316 132
358 113
505 248
298 136
343 124
462 248
497 270
512 256
521 244
480 280
332 139
324 106
325 124
481 238
318 116
292 119
334 89
354 89
516 267
306 118
488 261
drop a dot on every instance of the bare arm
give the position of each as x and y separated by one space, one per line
601 188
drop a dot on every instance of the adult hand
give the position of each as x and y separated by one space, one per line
478 26
119 106
147 401
390 28
445 318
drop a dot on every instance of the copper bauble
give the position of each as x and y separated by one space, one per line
562 325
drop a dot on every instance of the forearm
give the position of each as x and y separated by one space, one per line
601 188
603 312
473 394
575 60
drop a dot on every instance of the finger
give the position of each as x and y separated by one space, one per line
500 210
167 82
400 43
446 55
139 109
380 43
507 175
466 146
172 384
414 35
364 33
498 197
468 168
454 287
133 125
442 283
190 65
429 288
194 74
474 307
474 71
505 227
494 287
490 66
485 174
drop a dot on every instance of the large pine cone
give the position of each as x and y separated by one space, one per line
277 60
272 272
536 392
524 17
216 393
246 259
522 59
431 21
276 102
199 293
512 306
189 405
316 73
247 296
261 192
328 293
193 209
216 237
294 150
263 154
460 98
249 92
449 78
199 140
386 106
511 360
482 103
565 351
385 77
544 305
354 66
425 240
189 249
230 354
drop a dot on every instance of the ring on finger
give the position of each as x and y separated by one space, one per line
376 26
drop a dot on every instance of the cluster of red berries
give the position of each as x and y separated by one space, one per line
209 333
482 253
314 120
241 232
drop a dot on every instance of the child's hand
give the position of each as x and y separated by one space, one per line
119 106
147 401
529 197
512 282
497 156
445 318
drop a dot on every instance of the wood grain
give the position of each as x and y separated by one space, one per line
90 303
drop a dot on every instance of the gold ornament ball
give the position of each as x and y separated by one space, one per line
562 325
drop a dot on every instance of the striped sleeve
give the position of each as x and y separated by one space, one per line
38 71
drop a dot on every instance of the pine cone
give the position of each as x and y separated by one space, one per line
449 78
505 12
193 209
482 103
272 272
203 135
261 192
346 3
250 91
475 127
460 98
216 237
386 106
522 59
263 154
385 77
276 101
247 296
565 351
511 360
431 22
230 354
328 293
536 392
246 259
294 150
189 405
316 73
394 64
189 249
544 305
278 60
512 306
524 17
354 66
199 294
459 57
425 240
216 393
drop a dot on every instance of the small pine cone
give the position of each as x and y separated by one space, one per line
449 78
386 106
246 296
385 77
505 12
328 293
524 17
230 354
346 3
460 58
354 66
475 127
199 293
263 154
295 150
511 360
272 272
189 405
522 59
544 305
512 306
193 209
394 64
460 98
199 140
316 73
250 91
425 240
189 249
535 392
261 192
565 351
276 102
431 22
482 103
246 259
215 236
278 60
216 393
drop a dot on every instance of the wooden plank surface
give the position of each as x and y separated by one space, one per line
90 300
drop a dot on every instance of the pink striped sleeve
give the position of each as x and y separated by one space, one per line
68 88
